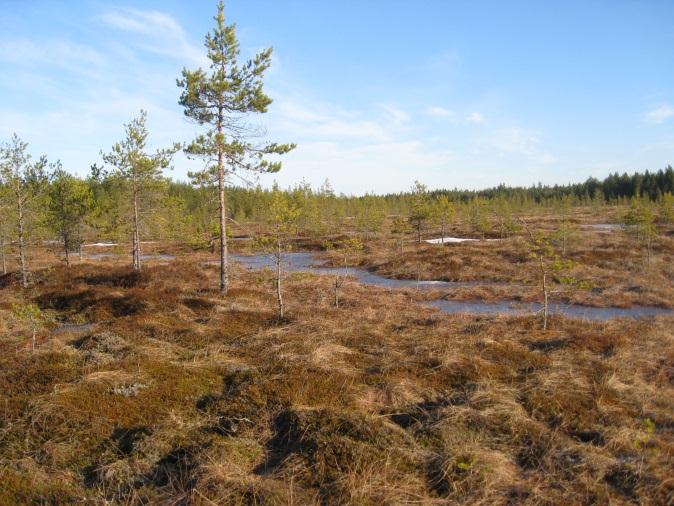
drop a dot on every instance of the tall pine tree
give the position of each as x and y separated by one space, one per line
222 98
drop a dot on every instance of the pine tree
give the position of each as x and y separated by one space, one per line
5 224
70 201
282 217
420 211
640 220
445 213
26 182
348 247
222 98
138 169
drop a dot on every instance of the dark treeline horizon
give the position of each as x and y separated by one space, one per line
647 184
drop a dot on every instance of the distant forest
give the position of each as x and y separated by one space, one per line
652 185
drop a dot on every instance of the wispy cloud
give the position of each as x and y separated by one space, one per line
318 120
659 114
158 33
522 142
475 117
52 53
437 111
395 114
374 147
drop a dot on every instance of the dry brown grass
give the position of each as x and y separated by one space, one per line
179 396
612 262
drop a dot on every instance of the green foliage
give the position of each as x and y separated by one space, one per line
477 216
420 207
502 209
400 227
667 208
24 178
32 315
70 202
221 98
648 429
444 212
130 160
640 221
28 312
140 170
553 269
25 183
370 215
566 229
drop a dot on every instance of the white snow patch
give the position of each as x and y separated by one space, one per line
454 240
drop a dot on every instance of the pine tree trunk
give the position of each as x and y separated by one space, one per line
2 251
279 293
136 234
224 281
442 233
22 247
337 291
65 249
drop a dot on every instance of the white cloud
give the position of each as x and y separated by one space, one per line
475 117
53 53
395 114
659 114
321 121
438 112
517 141
158 33
381 167
372 148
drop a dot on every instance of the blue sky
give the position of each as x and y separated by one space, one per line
376 93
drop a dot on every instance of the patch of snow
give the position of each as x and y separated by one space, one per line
454 240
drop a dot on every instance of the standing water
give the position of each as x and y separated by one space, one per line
306 262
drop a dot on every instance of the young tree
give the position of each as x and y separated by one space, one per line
26 182
222 98
370 215
283 214
667 208
109 217
420 209
640 220
140 170
552 270
445 213
70 201
400 227
348 247
5 211
478 217
31 314
502 209
566 229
